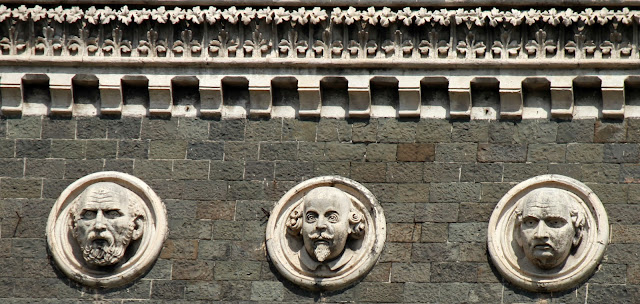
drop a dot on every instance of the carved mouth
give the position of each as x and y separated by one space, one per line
321 242
543 247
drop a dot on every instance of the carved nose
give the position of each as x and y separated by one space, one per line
542 230
100 222
321 224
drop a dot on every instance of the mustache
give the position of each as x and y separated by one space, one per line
101 235
316 236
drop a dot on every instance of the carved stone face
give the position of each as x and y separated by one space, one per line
325 226
547 233
105 221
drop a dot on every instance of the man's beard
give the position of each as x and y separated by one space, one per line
103 253
322 251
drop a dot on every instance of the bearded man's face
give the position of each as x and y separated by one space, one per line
104 225
325 227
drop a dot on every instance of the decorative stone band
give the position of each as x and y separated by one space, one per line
464 95
300 36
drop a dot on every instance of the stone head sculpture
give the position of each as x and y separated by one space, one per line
104 220
326 219
549 225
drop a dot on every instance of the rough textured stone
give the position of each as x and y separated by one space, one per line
610 131
416 152
456 152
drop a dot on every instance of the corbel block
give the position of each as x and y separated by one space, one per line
160 97
562 103
410 99
359 96
61 89
260 98
511 102
210 96
613 97
110 87
460 97
11 90
310 96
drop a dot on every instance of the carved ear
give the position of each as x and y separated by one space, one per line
578 225
516 227
138 227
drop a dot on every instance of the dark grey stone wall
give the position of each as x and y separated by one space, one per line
437 181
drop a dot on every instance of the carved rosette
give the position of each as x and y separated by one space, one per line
131 214
363 246
507 222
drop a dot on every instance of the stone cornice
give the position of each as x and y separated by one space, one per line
366 37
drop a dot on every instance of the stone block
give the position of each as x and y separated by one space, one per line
633 274
7 148
379 292
610 193
216 210
456 152
33 148
226 170
264 130
505 132
91 128
454 192
492 192
205 150
416 152
481 172
179 249
391 130
133 149
16 167
585 153
58 128
190 169
101 149
123 128
517 172
240 151
345 151
436 212
45 168
298 130
576 131
613 294
609 132
434 232
206 291
433 131
246 190
543 153
335 168
159 128
228 230
20 188
473 212
473 252
606 173
167 290
279 151
396 252
237 270
338 130
24 127
379 273
214 250
435 252
192 270
399 212
470 131
454 272
312 152
404 172
167 149
625 234
267 291
403 232
181 208
259 170
537 131
468 232
441 172
364 131
79 168
227 129
502 153
381 152
193 128
620 153
293 171
412 192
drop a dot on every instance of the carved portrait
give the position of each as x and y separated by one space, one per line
323 230
548 233
106 229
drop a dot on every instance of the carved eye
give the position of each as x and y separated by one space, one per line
111 214
556 222
333 217
530 222
89 215
311 217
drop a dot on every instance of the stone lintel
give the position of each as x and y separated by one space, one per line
111 100
460 97
561 96
409 96
260 97
613 99
310 96
11 90
511 102
61 90
359 96
210 96
160 96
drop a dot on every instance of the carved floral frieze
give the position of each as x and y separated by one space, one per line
326 233
314 33
548 233
106 229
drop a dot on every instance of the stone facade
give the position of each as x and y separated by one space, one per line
438 111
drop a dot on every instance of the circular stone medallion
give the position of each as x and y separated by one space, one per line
548 233
326 233
106 229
